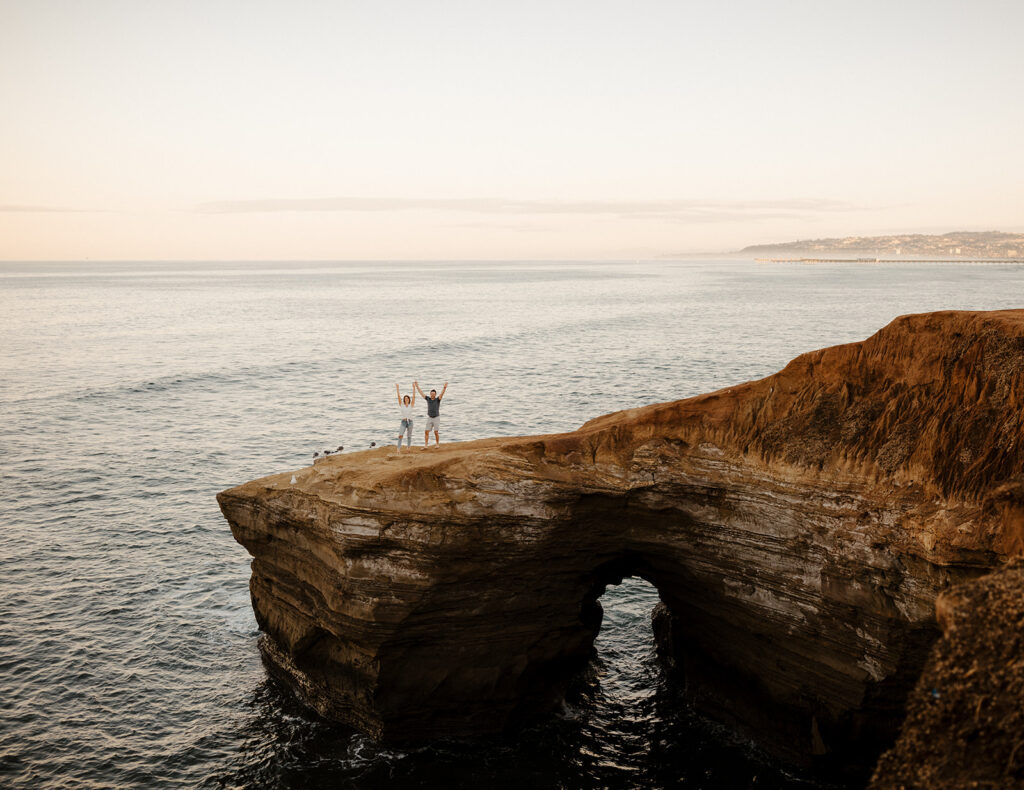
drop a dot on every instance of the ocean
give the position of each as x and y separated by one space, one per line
131 393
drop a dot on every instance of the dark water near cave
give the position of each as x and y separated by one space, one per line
131 393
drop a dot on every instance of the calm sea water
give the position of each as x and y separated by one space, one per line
131 393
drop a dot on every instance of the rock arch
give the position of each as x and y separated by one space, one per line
798 529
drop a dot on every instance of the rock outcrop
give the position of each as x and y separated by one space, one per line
798 529
965 719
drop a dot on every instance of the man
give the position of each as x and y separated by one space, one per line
433 413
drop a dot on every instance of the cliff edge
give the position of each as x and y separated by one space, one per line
798 529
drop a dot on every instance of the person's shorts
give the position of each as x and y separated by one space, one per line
433 424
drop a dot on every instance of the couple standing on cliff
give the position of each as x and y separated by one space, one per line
405 405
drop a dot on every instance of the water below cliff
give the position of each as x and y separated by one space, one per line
132 393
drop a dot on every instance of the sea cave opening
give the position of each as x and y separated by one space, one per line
614 700
635 722
624 660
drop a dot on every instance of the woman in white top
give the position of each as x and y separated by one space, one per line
405 407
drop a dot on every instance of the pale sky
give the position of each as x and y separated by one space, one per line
181 130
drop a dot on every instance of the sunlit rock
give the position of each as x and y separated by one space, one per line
798 529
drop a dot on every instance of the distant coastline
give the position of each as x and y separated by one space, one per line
955 247
961 261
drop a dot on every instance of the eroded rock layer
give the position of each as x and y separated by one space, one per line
798 529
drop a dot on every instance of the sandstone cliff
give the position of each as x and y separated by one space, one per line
798 529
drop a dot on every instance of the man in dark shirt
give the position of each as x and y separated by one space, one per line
433 413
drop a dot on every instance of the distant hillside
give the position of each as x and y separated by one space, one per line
987 244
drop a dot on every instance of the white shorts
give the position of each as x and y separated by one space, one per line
433 424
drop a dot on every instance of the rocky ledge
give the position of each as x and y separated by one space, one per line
797 528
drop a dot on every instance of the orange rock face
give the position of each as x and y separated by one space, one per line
798 529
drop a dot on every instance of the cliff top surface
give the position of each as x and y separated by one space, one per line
932 403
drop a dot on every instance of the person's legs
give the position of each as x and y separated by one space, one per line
433 424
437 439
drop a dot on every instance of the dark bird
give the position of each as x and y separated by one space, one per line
373 444
316 455
340 448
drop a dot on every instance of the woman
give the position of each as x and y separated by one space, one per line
405 407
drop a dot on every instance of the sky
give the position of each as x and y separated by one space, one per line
301 130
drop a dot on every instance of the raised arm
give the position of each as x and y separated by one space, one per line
416 388
398 392
444 389
413 403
